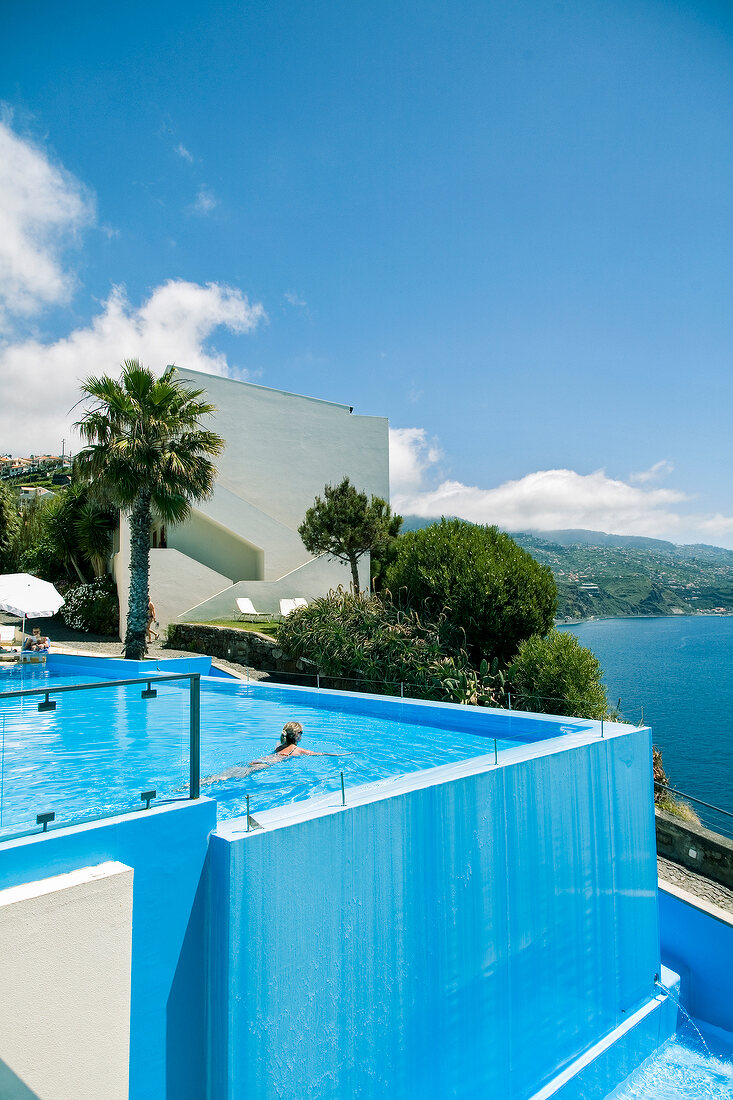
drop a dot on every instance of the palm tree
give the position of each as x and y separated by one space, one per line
81 530
148 455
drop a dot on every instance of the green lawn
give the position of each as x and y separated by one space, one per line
239 624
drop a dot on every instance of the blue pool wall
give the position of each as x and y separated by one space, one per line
167 848
615 1057
109 668
472 936
698 944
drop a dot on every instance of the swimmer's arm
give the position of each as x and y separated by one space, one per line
309 752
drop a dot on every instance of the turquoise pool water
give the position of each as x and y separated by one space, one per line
99 749
682 1070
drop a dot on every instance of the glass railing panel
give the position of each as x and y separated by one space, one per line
92 755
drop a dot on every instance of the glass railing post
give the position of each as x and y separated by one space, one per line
194 746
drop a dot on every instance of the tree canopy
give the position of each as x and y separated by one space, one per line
9 524
65 539
365 639
345 524
557 675
492 593
149 455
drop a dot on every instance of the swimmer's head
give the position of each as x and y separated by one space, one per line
292 732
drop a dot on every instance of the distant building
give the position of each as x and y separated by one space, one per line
281 449
31 493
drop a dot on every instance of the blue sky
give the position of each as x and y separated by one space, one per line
507 227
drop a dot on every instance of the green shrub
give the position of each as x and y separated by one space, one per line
664 799
92 607
557 675
678 808
488 592
9 525
370 640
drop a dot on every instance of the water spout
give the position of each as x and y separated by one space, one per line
684 1012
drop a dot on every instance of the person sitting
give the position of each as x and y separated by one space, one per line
36 642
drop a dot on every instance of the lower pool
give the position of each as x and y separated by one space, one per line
99 750
682 1069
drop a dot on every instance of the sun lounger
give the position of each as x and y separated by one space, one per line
7 635
286 606
248 610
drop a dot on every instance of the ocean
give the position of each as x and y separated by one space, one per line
676 673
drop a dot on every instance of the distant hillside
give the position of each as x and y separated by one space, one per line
580 537
600 575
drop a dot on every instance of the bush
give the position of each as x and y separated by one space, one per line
557 675
664 799
491 593
9 524
92 607
369 639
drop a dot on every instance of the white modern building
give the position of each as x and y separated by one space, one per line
281 450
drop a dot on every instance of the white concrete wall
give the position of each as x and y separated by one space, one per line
175 580
65 944
218 547
283 549
311 580
282 449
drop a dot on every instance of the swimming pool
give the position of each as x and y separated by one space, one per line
682 1070
96 753
460 930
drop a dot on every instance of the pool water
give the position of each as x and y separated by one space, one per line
100 749
682 1070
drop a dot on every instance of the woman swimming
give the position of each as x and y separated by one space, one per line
289 738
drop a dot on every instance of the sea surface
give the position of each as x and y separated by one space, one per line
676 673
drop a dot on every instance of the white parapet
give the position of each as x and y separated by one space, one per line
66 945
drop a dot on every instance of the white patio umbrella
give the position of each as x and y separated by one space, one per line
28 597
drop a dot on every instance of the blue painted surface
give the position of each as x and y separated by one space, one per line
682 1069
167 849
466 936
700 948
465 939
634 1041
99 749
109 668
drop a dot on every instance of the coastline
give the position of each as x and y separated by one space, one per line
604 618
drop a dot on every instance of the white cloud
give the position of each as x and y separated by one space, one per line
205 201
294 299
184 154
411 455
655 473
42 209
40 382
716 527
545 500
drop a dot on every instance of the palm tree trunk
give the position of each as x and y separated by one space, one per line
77 570
137 607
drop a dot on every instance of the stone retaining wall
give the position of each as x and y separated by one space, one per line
244 647
699 849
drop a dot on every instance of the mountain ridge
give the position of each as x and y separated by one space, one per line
598 574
